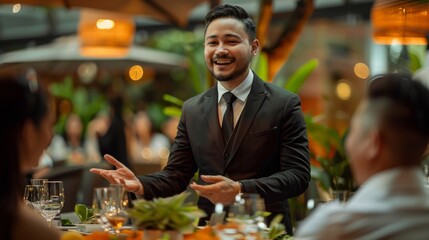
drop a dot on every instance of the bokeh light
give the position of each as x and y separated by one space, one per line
343 90
105 24
16 8
136 72
361 70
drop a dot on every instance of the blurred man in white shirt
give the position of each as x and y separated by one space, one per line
389 134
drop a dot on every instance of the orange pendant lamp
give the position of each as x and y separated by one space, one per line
400 21
105 34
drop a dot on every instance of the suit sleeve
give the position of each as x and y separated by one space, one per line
181 167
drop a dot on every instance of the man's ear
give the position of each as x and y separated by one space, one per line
255 46
375 145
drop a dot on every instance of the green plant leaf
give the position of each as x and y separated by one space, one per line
172 111
321 176
416 56
277 229
260 65
171 99
84 213
298 78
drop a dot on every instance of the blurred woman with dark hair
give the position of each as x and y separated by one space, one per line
26 130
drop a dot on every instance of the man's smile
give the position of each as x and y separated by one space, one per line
222 61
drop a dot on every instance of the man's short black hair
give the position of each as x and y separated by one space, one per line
405 93
231 11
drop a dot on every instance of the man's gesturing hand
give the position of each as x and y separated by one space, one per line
221 190
121 175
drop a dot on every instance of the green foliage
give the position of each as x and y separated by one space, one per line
198 77
175 111
172 99
416 55
260 65
189 44
298 78
156 114
334 171
172 213
85 102
277 229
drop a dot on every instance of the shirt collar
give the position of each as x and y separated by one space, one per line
241 91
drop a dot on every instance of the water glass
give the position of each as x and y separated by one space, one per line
52 199
32 196
248 206
248 214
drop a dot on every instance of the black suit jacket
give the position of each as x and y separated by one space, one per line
268 152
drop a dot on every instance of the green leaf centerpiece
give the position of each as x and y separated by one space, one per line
171 213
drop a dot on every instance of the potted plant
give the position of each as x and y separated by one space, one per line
165 218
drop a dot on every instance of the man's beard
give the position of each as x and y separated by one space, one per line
225 78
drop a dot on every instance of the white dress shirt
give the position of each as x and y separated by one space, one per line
393 204
241 92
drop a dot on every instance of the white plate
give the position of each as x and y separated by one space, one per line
89 228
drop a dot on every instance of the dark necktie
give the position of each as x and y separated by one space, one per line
228 117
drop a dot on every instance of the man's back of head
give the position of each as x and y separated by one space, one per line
406 113
391 125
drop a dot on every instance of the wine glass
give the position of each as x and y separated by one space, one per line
100 198
123 196
32 196
107 206
115 210
52 199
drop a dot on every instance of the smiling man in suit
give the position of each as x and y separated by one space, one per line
242 135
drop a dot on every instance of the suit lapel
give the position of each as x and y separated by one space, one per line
254 102
212 118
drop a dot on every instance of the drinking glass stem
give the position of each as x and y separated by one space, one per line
49 222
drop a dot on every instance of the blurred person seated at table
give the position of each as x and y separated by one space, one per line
45 165
26 130
389 133
147 145
69 147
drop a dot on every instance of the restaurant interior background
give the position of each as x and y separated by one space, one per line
338 35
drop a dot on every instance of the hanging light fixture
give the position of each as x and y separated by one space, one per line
105 34
400 21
